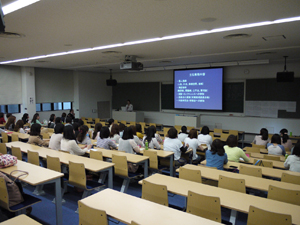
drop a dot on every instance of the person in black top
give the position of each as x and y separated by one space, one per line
71 114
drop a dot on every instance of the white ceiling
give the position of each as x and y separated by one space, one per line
49 25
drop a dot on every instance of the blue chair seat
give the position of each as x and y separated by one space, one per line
28 201
90 184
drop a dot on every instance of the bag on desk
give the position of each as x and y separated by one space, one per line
7 160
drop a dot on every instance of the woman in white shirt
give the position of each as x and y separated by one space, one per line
114 133
19 127
204 137
55 140
285 140
193 143
135 137
150 137
262 138
69 143
82 136
293 161
183 134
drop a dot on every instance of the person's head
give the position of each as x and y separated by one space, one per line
193 133
264 134
232 141
19 124
25 116
127 133
276 139
150 134
172 133
35 129
217 147
35 117
69 133
71 111
63 114
110 121
59 128
296 150
80 122
8 115
97 129
1 115
11 120
82 133
104 132
68 119
283 131
75 126
138 128
128 102
121 127
133 129
285 138
57 120
184 129
205 130
114 129
52 118
154 127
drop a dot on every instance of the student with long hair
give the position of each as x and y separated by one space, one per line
97 129
121 129
114 133
157 136
63 117
51 122
275 147
216 156
183 134
19 127
103 140
10 124
82 136
25 118
57 120
35 119
139 132
293 161
135 137
36 137
262 138
2 119
150 137
204 137
193 142
55 140
76 128
285 140
69 143
232 150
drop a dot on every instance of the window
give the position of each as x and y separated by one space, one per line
2 108
38 107
13 108
46 106
57 106
67 105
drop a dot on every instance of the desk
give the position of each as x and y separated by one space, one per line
120 206
276 164
21 135
261 156
250 181
89 164
36 176
228 199
21 219
128 116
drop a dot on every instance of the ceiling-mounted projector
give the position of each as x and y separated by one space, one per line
131 63
285 76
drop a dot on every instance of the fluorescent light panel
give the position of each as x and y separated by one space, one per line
17 5
265 23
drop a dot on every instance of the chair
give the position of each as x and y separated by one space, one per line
258 216
218 131
123 121
284 195
45 136
272 157
134 223
14 137
4 137
258 146
189 127
44 130
153 161
165 129
191 175
16 152
91 216
19 208
121 170
33 158
234 132
204 206
224 137
211 134
246 170
232 184
177 127
155 193
3 149
288 178
82 118
251 149
97 120
50 130
96 155
89 119
263 163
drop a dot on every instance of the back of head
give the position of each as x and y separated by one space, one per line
276 139
97 129
69 133
296 150
264 134
57 120
285 138
75 126
63 114
121 127
1 115
184 129
127 133
205 130
114 130
217 147
283 131
35 129
19 124
172 133
68 119
82 133
59 128
232 141
11 120
138 128
34 118
110 121
133 129
80 122
52 116
150 134
8 115
104 132
193 134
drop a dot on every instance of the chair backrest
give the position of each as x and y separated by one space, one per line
53 163
16 152
3 194
4 137
191 175
91 216
272 157
134 223
152 158
44 130
50 130
177 127
96 155
82 118
258 146
224 136
14 137
90 119
251 149
288 178
211 134
166 131
97 120
33 157
251 171
3 148
189 127
77 175
258 216
121 167
232 184
218 131
155 193
234 132
46 135
263 163
205 206
284 195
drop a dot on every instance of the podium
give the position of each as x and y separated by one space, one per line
128 116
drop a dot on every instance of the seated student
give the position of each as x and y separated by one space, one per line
71 114
127 143
35 119
110 123
76 128
8 115
204 137
262 138
19 127
35 136
68 121
172 143
69 143
135 137
103 141
82 136
150 137
51 121
55 140
216 156
193 142
25 118
275 147
183 134
233 152
2 119
292 150
114 133
293 161
286 142
63 117
96 132
57 120
157 136
10 124
139 132
121 129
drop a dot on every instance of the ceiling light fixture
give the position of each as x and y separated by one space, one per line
17 5
286 20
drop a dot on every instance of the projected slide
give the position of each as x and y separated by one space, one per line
198 89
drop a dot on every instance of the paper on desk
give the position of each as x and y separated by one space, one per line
92 149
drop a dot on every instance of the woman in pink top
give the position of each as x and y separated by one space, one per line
262 138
